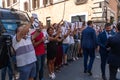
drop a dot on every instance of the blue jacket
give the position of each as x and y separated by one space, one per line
88 38
101 40
114 55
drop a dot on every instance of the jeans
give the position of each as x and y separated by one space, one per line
5 70
40 67
70 51
27 71
103 56
88 53
76 47
113 71
65 48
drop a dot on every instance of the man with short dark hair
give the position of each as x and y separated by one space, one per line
102 38
113 43
88 44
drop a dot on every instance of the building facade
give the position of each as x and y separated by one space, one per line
51 11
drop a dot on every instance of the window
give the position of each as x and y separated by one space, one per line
9 27
78 18
56 1
10 21
47 2
35 4
14 1
26 6
111 19
107 1
8 2
51 2
78 2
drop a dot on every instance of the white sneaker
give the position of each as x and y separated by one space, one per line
98 57
74 59
50 75
53 76
77 58
16 77
118 70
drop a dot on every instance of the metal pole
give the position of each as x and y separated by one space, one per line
64 10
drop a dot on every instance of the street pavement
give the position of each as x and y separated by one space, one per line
74 71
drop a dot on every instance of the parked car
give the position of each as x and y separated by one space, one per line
10 19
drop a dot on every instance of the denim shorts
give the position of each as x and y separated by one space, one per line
28 71
65 48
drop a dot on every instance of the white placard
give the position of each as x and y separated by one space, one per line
66 24
34 15
72 26
76 25
80 24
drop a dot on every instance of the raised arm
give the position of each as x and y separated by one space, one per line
68 32
22 31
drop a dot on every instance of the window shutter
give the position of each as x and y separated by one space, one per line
33 4
26 6
38 3
14 1
44 2
8 2
51 2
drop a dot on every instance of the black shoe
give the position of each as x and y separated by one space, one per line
90 73
104 77
66 64
85 71
117 79
114 79
81 55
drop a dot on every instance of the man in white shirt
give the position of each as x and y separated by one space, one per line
25 54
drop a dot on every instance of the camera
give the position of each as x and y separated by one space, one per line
5 43
6 39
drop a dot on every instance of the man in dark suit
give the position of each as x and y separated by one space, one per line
102 38
88 44
113 43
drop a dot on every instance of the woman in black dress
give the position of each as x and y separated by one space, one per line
51 51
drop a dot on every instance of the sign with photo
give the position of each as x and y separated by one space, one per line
36 21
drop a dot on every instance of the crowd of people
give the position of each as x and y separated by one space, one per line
62 42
